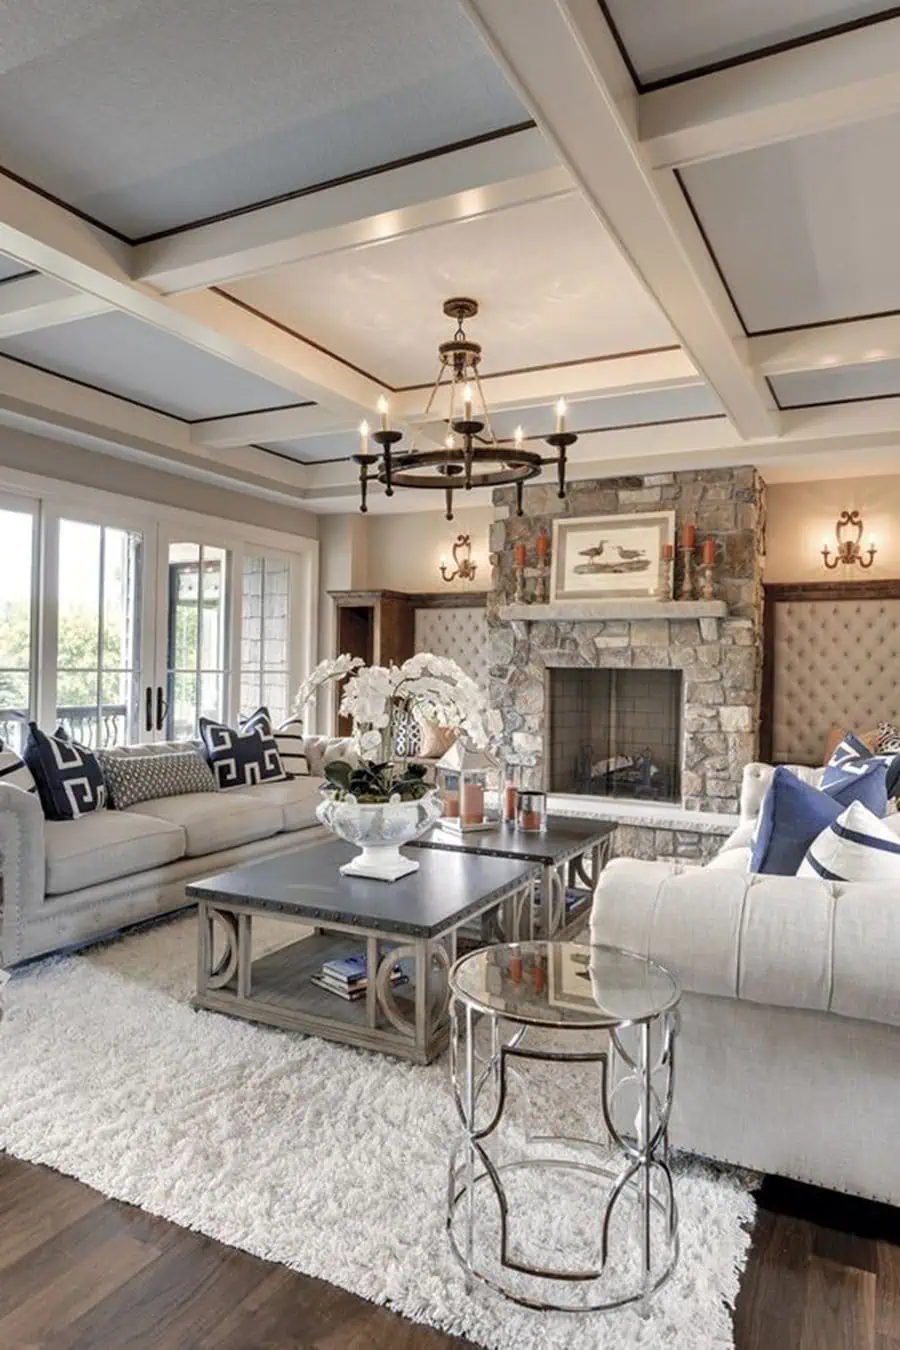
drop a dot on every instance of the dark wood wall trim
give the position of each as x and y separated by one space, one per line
777 593
449 600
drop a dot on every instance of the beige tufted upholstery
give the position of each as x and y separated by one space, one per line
459 633
836 662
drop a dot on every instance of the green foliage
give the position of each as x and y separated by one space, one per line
77 647
372 783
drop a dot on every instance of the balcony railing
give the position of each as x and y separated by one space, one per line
98 728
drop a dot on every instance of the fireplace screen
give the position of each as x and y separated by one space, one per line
616 733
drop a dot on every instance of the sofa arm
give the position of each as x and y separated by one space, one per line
22 867
792 942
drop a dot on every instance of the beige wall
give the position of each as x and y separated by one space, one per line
802 518
405 551
91 468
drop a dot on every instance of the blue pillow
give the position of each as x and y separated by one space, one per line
68 776
851 747
793 814
242 758
858 780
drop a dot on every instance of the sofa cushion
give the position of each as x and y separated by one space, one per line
792 814
140 778
855 847
104 845
296 799
212 822
241 758
858 780
289 741
69 779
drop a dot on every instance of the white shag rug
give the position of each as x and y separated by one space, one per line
328 1160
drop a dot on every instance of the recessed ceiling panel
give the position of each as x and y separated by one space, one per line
806 231
666 38
838 384
123 356
10 268
551 285
317 449
619 410
151 113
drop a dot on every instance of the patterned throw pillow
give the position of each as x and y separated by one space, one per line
858 780
850 746
242 758
14 772
143 778
888 739
292 748
855 847
68 777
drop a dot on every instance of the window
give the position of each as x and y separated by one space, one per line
17 626
265 635
97 647
198 637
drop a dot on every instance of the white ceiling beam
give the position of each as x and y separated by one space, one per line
280 424
562 57
848 78
46 237
463 184
827 346
35 301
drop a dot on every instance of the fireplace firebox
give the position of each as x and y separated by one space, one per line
615 733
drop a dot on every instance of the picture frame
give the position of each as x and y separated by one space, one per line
612 557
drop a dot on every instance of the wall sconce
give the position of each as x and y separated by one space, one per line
463 568
849 549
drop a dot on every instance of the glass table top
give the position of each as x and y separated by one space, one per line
564 984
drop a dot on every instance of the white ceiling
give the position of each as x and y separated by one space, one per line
134 360
551 285
150 113
623 410
9 267
806 231
665 38
871 379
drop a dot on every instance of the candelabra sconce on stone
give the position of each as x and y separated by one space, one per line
849 549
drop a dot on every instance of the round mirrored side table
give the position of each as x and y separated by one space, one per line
614 1015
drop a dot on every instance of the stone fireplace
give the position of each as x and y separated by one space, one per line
614 732
710 653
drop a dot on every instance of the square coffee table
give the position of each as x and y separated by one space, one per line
560 850
415 919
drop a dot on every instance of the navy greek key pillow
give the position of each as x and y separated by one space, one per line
68 777
242 758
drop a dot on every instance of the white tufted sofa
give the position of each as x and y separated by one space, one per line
789 1055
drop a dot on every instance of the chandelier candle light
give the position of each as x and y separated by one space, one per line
472 456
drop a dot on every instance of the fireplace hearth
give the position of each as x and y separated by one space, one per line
615 733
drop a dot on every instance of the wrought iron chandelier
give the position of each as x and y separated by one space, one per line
472 456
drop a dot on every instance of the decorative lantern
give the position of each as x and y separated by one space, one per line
466 778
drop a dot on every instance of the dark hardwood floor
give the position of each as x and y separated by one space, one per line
78 1272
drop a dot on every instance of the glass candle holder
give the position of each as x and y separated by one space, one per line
531 811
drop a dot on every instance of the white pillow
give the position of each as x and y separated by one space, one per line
855 847
292 748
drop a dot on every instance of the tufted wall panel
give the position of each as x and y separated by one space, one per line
460 633
835 661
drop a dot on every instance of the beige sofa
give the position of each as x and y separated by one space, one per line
789 1055
65 883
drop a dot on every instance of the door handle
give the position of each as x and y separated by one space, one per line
148 709
161 706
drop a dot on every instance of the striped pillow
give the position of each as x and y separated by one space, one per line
292 747
855 847
14 772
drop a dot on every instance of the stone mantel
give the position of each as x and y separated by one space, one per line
592 611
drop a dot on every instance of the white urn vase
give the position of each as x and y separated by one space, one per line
379 829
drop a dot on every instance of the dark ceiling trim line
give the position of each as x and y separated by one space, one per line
554 365
623 50
836 402
825 323
307 463
679 179
292 332
467 144
251 412
775 398
19 276
64 206
634 426
774 49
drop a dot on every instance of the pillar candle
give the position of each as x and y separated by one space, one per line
451 804
709 552
519 555
688 536
509 801
668 552
542 545
472 803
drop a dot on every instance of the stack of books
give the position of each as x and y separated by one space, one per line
348 977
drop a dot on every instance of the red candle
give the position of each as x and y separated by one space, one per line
519 555
668 552
688 536
510 793
542 545
709 552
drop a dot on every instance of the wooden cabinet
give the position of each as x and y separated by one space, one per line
378 626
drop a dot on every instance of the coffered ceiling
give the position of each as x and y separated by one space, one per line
227 229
